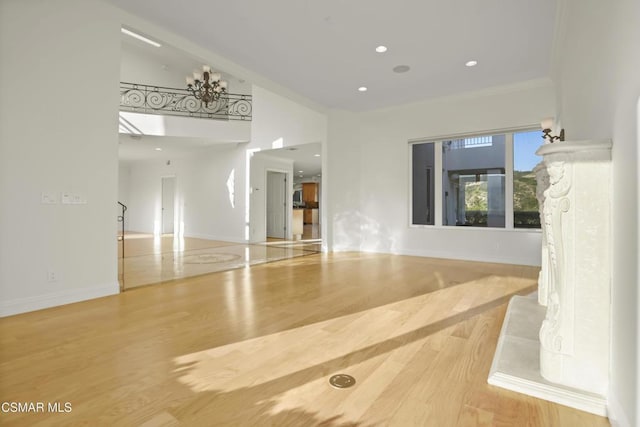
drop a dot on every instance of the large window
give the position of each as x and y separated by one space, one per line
474 181
423 158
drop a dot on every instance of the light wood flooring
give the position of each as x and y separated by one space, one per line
150 259
256 346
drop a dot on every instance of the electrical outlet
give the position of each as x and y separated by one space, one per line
52 276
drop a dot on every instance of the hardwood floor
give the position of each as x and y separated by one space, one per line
150 259
256 346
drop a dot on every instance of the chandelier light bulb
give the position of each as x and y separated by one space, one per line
206 86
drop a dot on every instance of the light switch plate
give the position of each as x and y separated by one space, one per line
48 198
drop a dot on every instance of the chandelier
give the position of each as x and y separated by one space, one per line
206 86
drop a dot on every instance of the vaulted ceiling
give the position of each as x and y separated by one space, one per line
325 49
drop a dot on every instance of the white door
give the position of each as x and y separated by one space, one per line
168 203
276 204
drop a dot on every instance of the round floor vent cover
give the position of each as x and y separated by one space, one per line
342 381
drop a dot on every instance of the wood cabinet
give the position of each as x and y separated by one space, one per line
310 200
310 192
308 218
311 216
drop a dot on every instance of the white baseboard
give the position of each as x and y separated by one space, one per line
479 257
54 299
617 416
516 364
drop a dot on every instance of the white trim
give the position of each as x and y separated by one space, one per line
564 396
410 173
437 185
508 181
288 198
54 299
486 132
431 253
617 415
456 227
575 146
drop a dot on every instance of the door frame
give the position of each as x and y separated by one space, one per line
288 198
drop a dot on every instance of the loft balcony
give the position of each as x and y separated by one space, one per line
145 99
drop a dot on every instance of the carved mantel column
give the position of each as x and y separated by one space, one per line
576 274
542 183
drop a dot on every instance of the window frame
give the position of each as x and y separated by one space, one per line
438 202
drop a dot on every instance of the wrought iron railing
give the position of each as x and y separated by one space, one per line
139 98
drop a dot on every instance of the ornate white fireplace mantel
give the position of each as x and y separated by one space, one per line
556 346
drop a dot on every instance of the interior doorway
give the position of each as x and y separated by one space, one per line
276 205
168 204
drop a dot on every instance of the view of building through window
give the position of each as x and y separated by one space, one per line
474 181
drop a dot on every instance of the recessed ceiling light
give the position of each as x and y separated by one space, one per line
401 68
300 171
471 63
140 37
362 88
381 49
316 155
158 149
301 176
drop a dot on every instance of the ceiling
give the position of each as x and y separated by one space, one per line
325 50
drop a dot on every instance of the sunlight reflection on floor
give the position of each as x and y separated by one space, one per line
153 259
291 368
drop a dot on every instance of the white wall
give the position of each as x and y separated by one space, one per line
160 125
209 196
124 183
57 136
599 81
166 66
276 117
368 159
278 120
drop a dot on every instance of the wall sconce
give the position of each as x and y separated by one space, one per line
546 125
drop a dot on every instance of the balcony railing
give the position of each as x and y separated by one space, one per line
139 98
